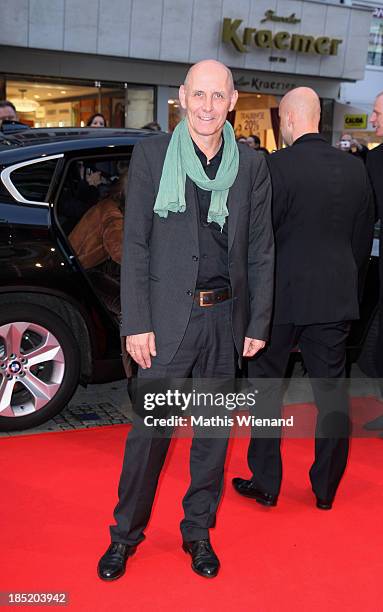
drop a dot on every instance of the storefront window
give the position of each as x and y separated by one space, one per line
375 44
43 103
257 115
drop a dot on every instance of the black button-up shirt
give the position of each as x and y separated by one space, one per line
213 269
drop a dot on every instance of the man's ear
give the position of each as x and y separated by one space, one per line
234 98
182 96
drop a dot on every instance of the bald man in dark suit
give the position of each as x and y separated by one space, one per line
323 222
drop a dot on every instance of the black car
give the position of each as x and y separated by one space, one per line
59 305
59 318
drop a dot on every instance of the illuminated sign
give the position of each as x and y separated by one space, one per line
355 121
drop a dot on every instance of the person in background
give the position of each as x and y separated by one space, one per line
98 234
97 242
238 132
81 191
7 111
375 170
153 126
97 121
254 142
348 144
323 220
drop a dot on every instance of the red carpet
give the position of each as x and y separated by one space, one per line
58 492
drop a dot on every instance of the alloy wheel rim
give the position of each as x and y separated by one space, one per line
32 367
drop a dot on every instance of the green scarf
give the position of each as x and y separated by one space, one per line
181 160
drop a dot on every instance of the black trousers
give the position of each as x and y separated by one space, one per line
207 351
323 348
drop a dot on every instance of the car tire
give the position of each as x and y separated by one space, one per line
367 357
39 365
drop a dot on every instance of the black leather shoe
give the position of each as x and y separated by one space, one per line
204 560
112 564
247 488
324 504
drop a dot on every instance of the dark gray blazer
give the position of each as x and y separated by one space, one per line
160 256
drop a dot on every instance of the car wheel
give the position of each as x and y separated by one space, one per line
367 357
39 365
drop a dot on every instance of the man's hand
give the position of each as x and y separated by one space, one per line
252 346
141 347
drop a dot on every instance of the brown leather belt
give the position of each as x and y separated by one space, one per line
212 297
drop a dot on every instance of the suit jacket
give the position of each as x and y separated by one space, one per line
160 256
323 222
375 170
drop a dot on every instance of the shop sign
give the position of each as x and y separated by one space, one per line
249 122
355 122
282 41
279 85
264 85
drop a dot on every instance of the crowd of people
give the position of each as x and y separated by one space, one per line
8 113
98 120
254 142
347 143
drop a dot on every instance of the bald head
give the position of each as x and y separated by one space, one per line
299 111
210 69
377 115
207 96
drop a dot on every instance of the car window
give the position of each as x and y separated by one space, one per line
88 182
32 181
90 210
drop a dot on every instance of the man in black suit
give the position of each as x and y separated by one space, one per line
194 295
323 223
375 171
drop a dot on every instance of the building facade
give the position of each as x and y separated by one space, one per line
62 60
356 99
